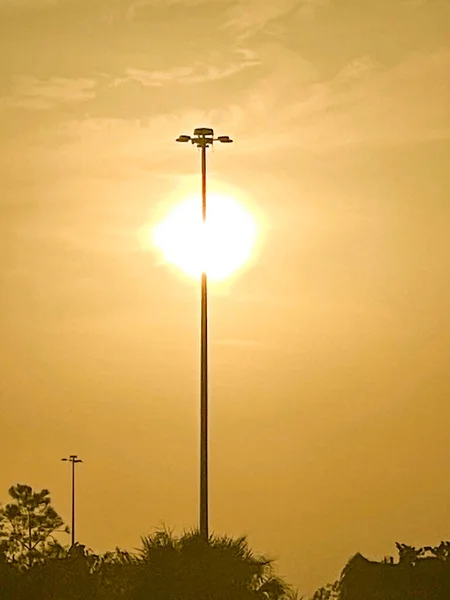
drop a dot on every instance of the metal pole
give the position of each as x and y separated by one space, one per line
73 459
73 502
202 138
204 530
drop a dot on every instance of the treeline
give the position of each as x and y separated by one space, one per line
35 565
418 574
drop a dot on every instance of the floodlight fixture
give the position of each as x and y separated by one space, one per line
204 137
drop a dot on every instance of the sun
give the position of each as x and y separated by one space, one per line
220 247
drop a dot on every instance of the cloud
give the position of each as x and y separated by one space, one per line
246 17
135 6
113 148
196 73
364 103
367 102
288 106
251 16
32 93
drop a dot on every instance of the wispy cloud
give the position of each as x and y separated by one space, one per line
243 16
364 103
250 16
367 102
32 93
196 73
135 5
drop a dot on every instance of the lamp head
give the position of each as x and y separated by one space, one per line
204 131
203 137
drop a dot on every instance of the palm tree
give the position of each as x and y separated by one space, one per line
187 568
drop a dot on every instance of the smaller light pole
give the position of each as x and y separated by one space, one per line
73 458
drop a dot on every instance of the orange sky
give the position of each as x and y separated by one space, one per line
329 357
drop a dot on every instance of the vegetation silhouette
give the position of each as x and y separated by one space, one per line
419 574
28 525
222 568
34 564
330 591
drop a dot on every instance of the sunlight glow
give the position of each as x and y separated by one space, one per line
220 247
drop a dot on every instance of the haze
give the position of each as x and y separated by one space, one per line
329 357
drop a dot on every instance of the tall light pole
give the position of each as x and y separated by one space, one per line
73 458
203 138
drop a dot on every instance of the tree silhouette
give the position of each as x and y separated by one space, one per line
116 573
330 591
408 555
70 577
8 579
33 564
420 574
27 526
187 568
442 552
